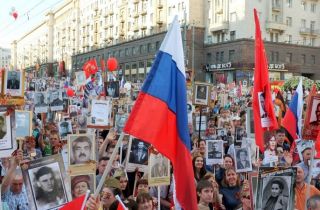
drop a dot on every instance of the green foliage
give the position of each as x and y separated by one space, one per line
293 82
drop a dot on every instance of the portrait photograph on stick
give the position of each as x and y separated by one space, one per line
312 120
7 136
65 128
138 155
46 183
81 149
14 83
158 169
41 102
100 113
243 159
55 100
23 123
201 94
80 183
214 152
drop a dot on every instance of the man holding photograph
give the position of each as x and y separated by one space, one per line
49 191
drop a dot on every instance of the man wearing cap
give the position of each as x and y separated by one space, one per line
306 154
49 192
80 185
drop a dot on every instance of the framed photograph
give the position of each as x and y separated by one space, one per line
65 128
73 110
41 104
222 132
253 185
203 125
243 159
14 83
82 122
80 78
316 169
214 152
120 121
41 85
138 155
100 113
112 89
7 139
275 188
158 169
46 183
81 149
312 120
239 134
202 94
264 115
79 184
32 85
55 100
249 122
23 123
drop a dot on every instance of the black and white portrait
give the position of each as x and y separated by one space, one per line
214 152
81 183
55 99
41 85
80 78
159 169
23 123
81 149
239 134
7 142
32 86
315 112
13 83
276 191
138 155
47 186
120 120
222 133
243 159
250 123
82 122
41 102
65 128
73 110
265 120
112 89
46 183
201 94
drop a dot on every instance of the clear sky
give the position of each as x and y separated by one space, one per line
30 14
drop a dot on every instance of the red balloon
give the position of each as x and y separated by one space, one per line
70 92
15 15
112 64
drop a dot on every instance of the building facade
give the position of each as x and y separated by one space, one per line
5 57
218 36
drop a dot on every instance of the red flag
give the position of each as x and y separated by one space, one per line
90 67
317 146
263 110
75 204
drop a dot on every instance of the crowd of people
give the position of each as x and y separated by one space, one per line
221 185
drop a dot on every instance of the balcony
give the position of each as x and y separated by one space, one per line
110 38
159 5
136 14
122 20
309 31
143 27
121 33
275 26
219 27
111 12
106 27
135 1
136 29
111 25
219 10
159 22
143 13
276 7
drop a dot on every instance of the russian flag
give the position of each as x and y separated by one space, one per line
292 121
159 115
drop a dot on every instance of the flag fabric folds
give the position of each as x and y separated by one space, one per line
159 115
261 89
75 204
293 118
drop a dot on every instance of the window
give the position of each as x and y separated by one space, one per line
312 26
289 21
303 23
313 59
289 3
289 39
222 56
233 17
304 41
274 56
275 17
274 37
209 58
231 55
217 57
232 35
303 58
313 7
313 42
289 57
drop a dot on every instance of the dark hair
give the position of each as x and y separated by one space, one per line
202 184
313 201
229 156
81 139
281 130
103 158
203 170
142 181
241 150
279 183
43 171
115 191
143 197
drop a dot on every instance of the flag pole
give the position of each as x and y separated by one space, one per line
159 205
109 165
85 199
310 173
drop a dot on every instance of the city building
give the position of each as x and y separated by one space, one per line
5 57
218 37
